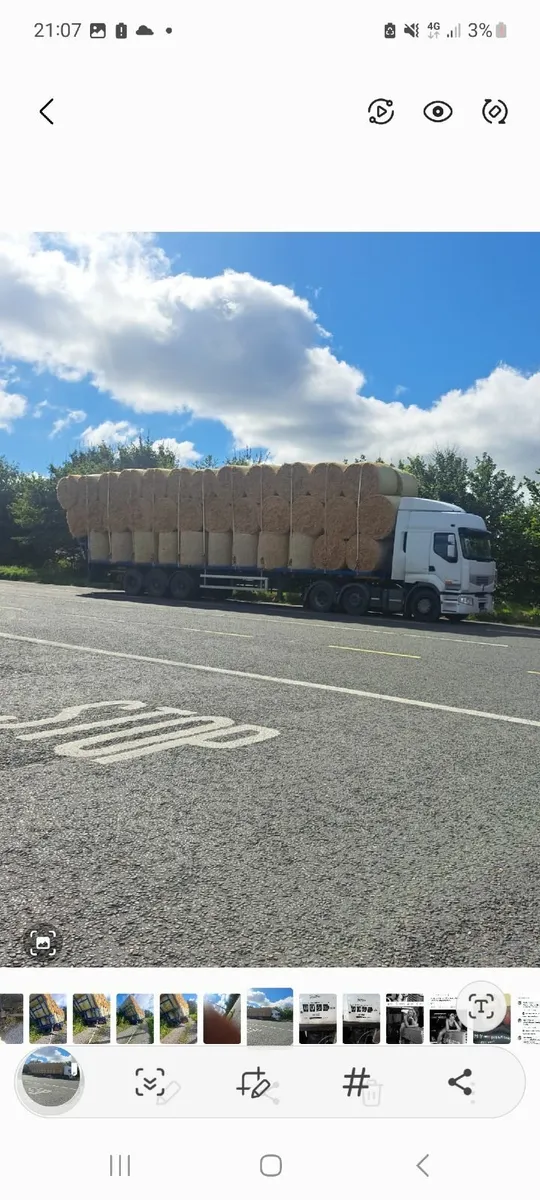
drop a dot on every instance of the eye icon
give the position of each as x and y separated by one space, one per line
438 111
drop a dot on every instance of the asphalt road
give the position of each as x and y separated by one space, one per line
93 1035
133 1034
269 1033
49 1092
384 810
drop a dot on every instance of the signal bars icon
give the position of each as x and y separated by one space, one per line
455 32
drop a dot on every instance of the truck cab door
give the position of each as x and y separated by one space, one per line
444 558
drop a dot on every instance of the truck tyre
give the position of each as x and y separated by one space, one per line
321 596
133 581
157 582
424 605
355 600
183 586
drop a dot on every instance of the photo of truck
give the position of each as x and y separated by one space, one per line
48 1017
317 1019
91 1018
178 1018
49 1078
134 1018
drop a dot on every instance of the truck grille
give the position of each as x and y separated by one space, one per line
482 580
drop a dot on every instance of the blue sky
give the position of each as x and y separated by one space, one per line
144 1000
312 346
261 997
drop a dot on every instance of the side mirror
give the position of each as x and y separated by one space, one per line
452 548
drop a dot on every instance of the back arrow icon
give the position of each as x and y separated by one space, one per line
42 112
420 1167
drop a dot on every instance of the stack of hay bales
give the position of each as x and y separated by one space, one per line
297 516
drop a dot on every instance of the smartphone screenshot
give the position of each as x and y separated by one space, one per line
269 599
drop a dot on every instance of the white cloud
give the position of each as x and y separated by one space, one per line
234 349
184 452
12 407
400 390
73 416
109 431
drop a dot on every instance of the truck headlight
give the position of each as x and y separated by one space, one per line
466 600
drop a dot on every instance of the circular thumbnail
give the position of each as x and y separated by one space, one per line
49 1081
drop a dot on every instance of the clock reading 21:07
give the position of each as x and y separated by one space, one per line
65 30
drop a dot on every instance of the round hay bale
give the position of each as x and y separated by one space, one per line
326 479
154 483
67 490
172 486
209 485
121 547
307 516
168 547
145 549
140 515
260 481
245 516
98 546
191 484
218 515
165 515
329 553
367 555
133 480
244 549
76 521
106 483
272 551
231 481
192 548
219 549
377 516
408 484
275 515
191 515
300 552
293 480
340 517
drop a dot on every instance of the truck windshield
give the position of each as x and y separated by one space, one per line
476 544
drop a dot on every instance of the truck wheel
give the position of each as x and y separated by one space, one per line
355 600
133 581
157 582
182 586
425 605
321 596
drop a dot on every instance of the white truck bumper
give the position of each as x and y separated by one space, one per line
467 605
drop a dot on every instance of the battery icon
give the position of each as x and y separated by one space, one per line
500 30
121 31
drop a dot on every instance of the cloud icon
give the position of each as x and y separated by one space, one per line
144 29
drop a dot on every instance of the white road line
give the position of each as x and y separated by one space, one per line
215 632
363 650
282 681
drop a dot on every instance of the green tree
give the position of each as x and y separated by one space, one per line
443 475
10 483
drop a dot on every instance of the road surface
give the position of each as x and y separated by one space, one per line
49 1092
384 810
93 1035
181 1035
133 1034
269 1033
13 1033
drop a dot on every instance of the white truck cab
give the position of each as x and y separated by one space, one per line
440 546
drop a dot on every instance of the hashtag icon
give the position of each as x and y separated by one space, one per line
356 1082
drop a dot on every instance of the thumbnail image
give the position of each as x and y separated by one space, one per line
499 1036
50 1077
361 1020
270 1017
317 1019
528 1020
91 1019
404 1019
445 1028
177 1019
222 1018
48 1018
11 1019
135 1019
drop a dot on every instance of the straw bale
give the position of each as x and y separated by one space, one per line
76 521
140 515
340 517
275 515
144 546
300 551
244 549
191 515
409 485
272 551
329 552
191 484
377 516
132 481
368 555
168 546
121 547
209 485
154 483
67 490
165 515
307 516
219 549
98 545
260 481
218 515
296 476
192 548
231 481
326 479
245 514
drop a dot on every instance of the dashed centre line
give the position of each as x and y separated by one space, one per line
361 650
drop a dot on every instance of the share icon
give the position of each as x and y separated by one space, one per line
467 1091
